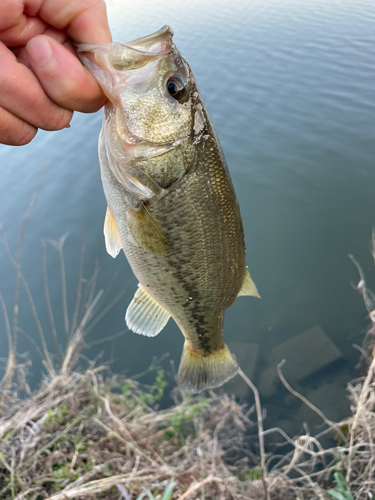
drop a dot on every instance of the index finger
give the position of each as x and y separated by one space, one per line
85 21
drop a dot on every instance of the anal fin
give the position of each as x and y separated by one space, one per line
198 372
248 286
111 236
144 315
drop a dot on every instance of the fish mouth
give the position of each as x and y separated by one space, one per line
128 56
159 42
134 64
165 33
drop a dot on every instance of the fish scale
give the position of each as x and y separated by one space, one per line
207 262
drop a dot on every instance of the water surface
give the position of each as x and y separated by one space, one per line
290 89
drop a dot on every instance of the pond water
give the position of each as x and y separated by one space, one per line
290 87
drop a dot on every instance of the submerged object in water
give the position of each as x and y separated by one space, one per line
171 203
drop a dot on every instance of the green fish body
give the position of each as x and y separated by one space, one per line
171 203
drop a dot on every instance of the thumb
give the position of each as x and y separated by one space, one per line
64 79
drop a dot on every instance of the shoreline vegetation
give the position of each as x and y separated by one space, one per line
88 434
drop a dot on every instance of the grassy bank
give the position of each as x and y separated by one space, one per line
85 434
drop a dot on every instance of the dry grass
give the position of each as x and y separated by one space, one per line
80 435
86 434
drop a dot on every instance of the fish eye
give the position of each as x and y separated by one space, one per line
177 88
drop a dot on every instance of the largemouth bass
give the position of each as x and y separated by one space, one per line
171 203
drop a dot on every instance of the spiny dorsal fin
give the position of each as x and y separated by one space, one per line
146 231
248 286
111 236
144 315
198 372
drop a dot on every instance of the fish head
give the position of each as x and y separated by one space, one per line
154 115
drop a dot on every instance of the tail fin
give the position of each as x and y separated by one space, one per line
198 372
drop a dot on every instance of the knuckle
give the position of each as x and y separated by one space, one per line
34 106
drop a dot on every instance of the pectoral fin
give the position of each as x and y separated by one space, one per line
111 236
248 286
146 231
144 315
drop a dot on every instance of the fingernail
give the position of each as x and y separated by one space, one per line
40 51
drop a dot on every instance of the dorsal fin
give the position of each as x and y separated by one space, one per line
248 286
146 231
144 315
111 236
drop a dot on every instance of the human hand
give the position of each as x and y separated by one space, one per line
41 79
